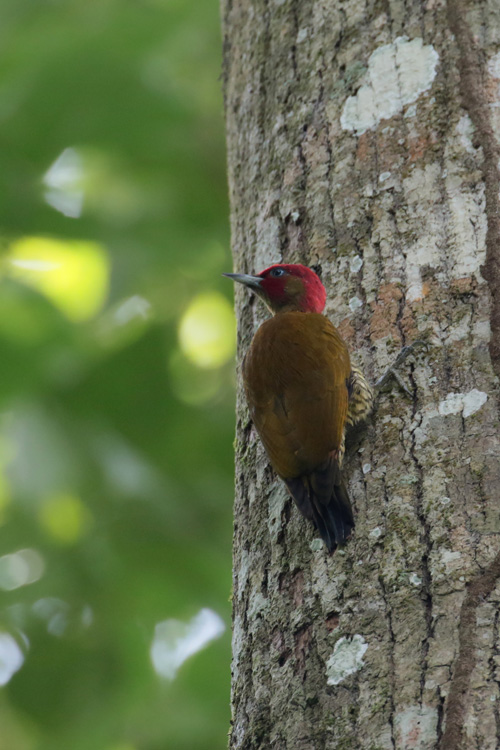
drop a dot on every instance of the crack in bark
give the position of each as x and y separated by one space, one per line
300 188
476 592
475 102
329 151
426 539
391 652
226 49
440 716
493 668
266 44
295 16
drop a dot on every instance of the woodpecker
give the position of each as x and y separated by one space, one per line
302 392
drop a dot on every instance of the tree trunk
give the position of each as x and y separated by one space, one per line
362 140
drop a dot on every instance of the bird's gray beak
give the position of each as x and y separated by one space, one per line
254 282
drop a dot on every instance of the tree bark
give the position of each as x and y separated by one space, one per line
363 140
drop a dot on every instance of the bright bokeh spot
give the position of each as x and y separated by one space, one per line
11 657
207 331
65 518
73 274
175 641
20 568
64 181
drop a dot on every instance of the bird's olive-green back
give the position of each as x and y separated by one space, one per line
295 375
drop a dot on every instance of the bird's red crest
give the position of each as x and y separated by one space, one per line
284 281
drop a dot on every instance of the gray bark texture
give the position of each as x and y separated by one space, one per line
363 140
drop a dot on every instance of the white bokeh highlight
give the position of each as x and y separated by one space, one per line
175 641
11 658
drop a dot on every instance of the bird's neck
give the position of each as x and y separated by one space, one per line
292 307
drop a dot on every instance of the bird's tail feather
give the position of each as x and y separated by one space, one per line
325 503
334 520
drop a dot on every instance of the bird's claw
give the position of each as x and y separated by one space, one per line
407 350
391 372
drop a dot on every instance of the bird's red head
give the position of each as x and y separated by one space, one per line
286 286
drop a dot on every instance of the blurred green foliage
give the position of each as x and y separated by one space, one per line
116 393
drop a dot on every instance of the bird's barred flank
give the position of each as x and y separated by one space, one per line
361 397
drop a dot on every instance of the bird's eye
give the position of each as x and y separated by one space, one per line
277 272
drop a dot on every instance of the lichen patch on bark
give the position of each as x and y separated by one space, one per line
347 658
397 74
463 403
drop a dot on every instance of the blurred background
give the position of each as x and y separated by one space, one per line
116 388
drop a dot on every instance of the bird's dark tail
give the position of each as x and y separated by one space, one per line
322 497
334 521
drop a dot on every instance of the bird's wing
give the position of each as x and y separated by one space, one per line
295 377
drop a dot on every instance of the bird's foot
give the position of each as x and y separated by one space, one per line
392 374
